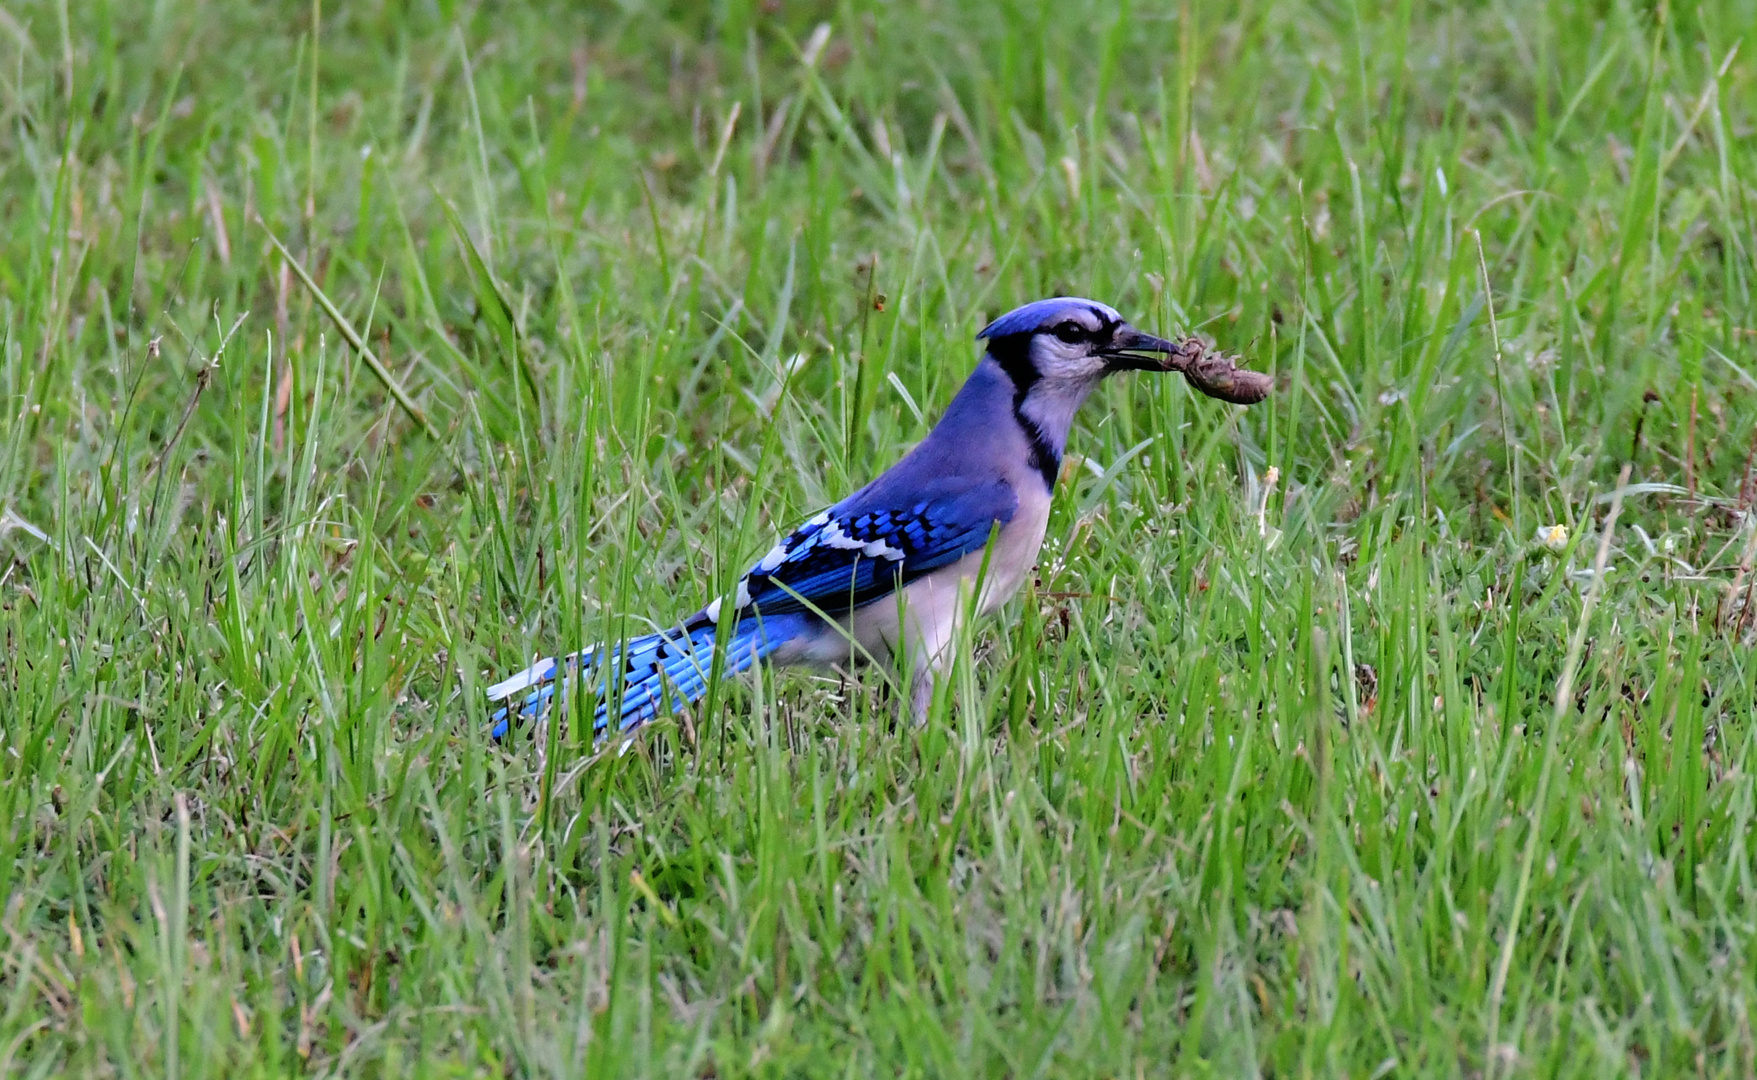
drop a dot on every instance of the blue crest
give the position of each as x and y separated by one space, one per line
1041 313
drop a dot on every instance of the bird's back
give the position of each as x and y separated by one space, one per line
976 442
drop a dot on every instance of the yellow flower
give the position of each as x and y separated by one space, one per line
1554 537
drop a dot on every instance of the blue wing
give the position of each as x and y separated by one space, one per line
863 549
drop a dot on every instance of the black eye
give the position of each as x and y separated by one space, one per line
1070 332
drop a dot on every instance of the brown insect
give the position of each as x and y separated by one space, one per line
1216 374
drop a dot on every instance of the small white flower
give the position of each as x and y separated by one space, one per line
1554 537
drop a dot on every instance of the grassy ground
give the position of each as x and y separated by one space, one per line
1299 757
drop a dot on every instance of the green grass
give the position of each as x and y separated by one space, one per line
1292 776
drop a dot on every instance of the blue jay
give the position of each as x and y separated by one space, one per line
892 569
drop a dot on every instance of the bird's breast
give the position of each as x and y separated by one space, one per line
1014 552
932 604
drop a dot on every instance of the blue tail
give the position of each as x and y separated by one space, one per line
663 673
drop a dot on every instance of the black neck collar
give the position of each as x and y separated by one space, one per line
1013 354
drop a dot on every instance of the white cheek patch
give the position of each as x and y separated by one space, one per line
1056 359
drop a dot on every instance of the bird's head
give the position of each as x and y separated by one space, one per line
1067 342
1055 352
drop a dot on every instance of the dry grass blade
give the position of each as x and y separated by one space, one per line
352 337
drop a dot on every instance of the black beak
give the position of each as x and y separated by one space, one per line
1131 350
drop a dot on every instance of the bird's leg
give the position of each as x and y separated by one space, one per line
921 684
925 675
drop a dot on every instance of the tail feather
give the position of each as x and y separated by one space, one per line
663 672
